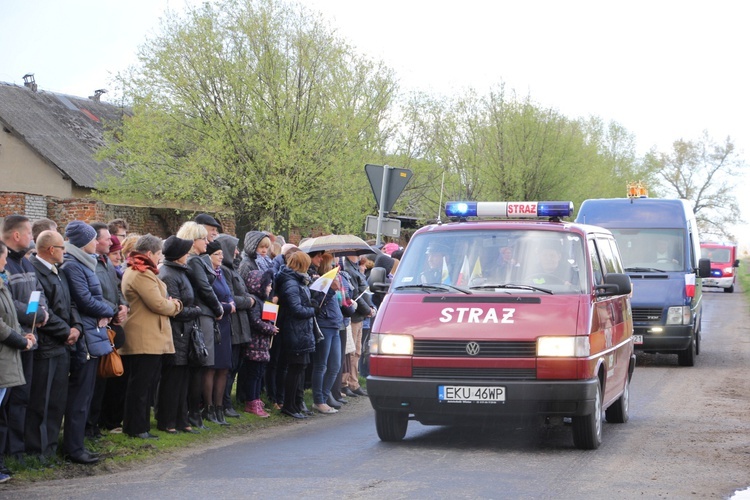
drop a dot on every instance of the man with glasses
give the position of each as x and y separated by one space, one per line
119 228
49 383
211 225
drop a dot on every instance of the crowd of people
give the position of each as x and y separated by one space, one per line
188 317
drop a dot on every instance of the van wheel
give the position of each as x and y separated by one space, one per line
687 357
391 425
730 289
587 429
618 413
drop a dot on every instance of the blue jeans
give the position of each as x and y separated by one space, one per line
326 364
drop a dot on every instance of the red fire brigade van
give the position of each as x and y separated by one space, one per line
724 262
517 313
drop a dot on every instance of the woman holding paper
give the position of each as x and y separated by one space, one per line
327 359
256 351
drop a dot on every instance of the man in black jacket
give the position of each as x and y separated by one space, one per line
49 383
16 234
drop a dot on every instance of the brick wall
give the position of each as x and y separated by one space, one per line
160 222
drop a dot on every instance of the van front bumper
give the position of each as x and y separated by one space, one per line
527 397
719 282
670 339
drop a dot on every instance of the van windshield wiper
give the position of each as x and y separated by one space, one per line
434 286
512 286
644 270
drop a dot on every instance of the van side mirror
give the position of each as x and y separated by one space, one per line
704 268
378 280
736 263
614 284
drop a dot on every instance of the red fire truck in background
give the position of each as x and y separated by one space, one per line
724 262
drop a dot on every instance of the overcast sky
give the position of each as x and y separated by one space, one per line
664 70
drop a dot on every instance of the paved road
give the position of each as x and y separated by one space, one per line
688 436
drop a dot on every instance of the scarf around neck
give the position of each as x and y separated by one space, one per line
78 254
141 263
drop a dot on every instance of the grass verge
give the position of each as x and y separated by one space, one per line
119 451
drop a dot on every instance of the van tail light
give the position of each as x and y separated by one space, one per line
690 285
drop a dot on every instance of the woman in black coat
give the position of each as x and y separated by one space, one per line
295 323
175 374
240 321
201 276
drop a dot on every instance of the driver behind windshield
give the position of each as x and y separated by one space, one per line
436 254
663 253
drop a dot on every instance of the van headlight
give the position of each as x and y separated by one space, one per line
679 315
383 343
563 347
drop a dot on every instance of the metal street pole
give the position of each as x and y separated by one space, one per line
381 212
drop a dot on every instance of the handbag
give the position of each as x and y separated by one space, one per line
197 351
110 365
317 331
217 333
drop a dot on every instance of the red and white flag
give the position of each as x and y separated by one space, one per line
270 312
690 285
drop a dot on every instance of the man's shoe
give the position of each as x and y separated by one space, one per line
144 435
349 393
333 403
342 400
293 414
231 412
84 458
360 392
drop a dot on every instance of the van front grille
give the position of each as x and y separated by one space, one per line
487 349
647 314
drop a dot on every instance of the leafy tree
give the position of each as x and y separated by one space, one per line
499 147
257 106
704 172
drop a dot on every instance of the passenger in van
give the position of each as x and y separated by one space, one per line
436 255
504 264
553 269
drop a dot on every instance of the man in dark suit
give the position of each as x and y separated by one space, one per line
49 383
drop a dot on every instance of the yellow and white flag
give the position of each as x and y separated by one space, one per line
446 276
323 283
477 271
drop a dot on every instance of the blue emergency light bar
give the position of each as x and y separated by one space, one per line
509 209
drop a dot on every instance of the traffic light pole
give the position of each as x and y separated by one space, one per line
381 212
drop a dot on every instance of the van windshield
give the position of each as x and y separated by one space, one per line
494 260
716 254
655 250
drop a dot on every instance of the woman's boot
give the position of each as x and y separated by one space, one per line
220 416
196 421
209 413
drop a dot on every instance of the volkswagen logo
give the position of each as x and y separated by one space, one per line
472 348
